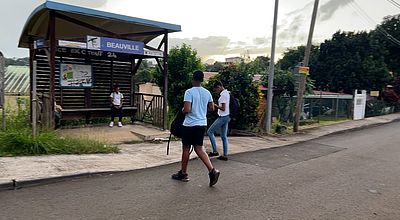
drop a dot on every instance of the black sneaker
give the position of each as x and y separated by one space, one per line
180 176
214 175
213 154
224 158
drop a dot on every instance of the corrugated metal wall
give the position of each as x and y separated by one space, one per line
17 80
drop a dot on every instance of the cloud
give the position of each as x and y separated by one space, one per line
260 41
14 15
327 10
212 46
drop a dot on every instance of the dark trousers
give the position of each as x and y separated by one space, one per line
116 112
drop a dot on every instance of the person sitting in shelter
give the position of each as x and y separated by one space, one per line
116 99
57 114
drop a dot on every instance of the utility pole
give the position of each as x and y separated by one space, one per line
2 88
302 76
271 74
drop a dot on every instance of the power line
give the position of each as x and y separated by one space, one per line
393 2
368 18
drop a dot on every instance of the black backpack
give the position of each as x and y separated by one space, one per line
234 106
176 127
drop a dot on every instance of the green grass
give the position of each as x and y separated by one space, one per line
17 139
22 143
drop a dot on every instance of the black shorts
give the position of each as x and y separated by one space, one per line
193 136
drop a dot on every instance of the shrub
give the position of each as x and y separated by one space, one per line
239 81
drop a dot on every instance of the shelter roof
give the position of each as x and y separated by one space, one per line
130 28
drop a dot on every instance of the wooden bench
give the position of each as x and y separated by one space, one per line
88 113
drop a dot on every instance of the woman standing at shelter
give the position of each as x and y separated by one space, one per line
116 99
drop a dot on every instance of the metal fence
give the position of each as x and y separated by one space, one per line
315 108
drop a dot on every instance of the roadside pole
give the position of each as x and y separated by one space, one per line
2 97
303 75
271 74
34 99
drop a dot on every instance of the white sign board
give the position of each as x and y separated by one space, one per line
360 102
75 75
71 44
93 42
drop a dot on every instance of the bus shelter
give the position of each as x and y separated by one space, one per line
78 54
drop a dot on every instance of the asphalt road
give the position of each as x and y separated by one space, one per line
348 176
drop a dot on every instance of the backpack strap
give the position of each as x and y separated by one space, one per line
169 141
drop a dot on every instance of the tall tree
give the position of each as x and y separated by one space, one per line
350 61
259 65
182 62
387 36
146 72
292 57
238 80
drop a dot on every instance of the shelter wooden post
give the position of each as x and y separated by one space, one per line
52 63
165 70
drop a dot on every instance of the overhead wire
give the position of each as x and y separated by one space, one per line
364 15
393 2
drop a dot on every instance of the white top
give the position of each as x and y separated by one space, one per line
199 97
116 98
224 98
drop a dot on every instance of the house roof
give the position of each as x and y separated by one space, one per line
17 80
209 75
37 24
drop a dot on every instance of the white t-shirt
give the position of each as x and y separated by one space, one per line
116 98
224 98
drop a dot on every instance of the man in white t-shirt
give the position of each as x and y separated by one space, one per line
116 99
221 122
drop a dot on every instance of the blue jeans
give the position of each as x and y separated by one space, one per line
221 122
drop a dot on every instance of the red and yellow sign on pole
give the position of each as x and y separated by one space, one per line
304 70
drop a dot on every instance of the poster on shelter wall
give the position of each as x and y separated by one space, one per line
76 75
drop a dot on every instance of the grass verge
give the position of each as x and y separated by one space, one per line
22 143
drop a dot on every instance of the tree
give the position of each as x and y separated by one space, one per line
350 61
259 65
182 62
292 57
391 49
216 67
146 72
239 81
17 61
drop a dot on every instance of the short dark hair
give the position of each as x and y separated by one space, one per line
198 76
115 87
218 83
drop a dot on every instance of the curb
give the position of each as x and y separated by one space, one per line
15 184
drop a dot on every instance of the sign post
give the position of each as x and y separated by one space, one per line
304 70
2 79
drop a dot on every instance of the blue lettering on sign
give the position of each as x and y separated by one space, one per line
122 46
40 43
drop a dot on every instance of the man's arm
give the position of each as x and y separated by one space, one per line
187 107
210 106
222 107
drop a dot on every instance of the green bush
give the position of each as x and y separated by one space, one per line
239 82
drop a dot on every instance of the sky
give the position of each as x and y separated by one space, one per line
223 28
